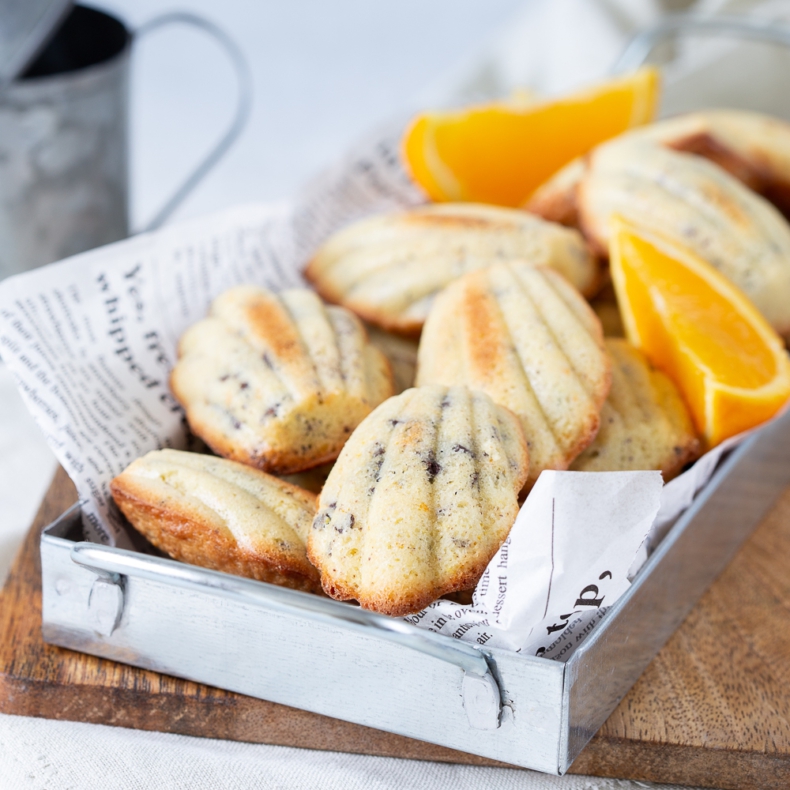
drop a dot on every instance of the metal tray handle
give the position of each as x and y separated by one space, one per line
481 695
640 47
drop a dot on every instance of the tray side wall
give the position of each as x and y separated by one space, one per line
202 637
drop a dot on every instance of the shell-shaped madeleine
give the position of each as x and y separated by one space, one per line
220 514
527 338
752 147
278 381
697 204
420 500
389 268
645 423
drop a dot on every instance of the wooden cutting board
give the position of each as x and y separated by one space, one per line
712 710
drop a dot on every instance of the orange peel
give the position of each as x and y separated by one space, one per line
701 330
502 152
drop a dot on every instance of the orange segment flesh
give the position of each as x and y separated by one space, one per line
701 330
501 153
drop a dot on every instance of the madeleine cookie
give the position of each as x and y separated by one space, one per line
389 268
523 335
690 179
555 201
420 500
698 205
753 147
219 514
644 423
278 381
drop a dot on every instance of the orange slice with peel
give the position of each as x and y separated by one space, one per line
501 153
701 330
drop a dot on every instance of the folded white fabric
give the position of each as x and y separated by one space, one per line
36 754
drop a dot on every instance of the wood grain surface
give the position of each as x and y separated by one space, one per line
712 710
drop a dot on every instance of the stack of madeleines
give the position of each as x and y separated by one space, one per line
420 452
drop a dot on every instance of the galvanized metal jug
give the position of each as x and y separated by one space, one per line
64 180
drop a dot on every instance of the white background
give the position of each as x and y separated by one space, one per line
325 71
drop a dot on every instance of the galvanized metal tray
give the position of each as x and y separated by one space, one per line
338 660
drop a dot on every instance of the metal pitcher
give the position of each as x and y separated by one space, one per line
64 153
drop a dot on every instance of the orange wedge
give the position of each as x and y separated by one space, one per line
701 330
501 153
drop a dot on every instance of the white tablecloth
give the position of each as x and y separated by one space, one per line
45 755
324 72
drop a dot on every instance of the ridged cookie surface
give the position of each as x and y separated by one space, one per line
389 268
752 147
278 381
691 179
695 203
420 500
527 338
644 423
220 514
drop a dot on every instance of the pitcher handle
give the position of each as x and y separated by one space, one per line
240 117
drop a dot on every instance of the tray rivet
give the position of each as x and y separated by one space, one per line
105 606
482 701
